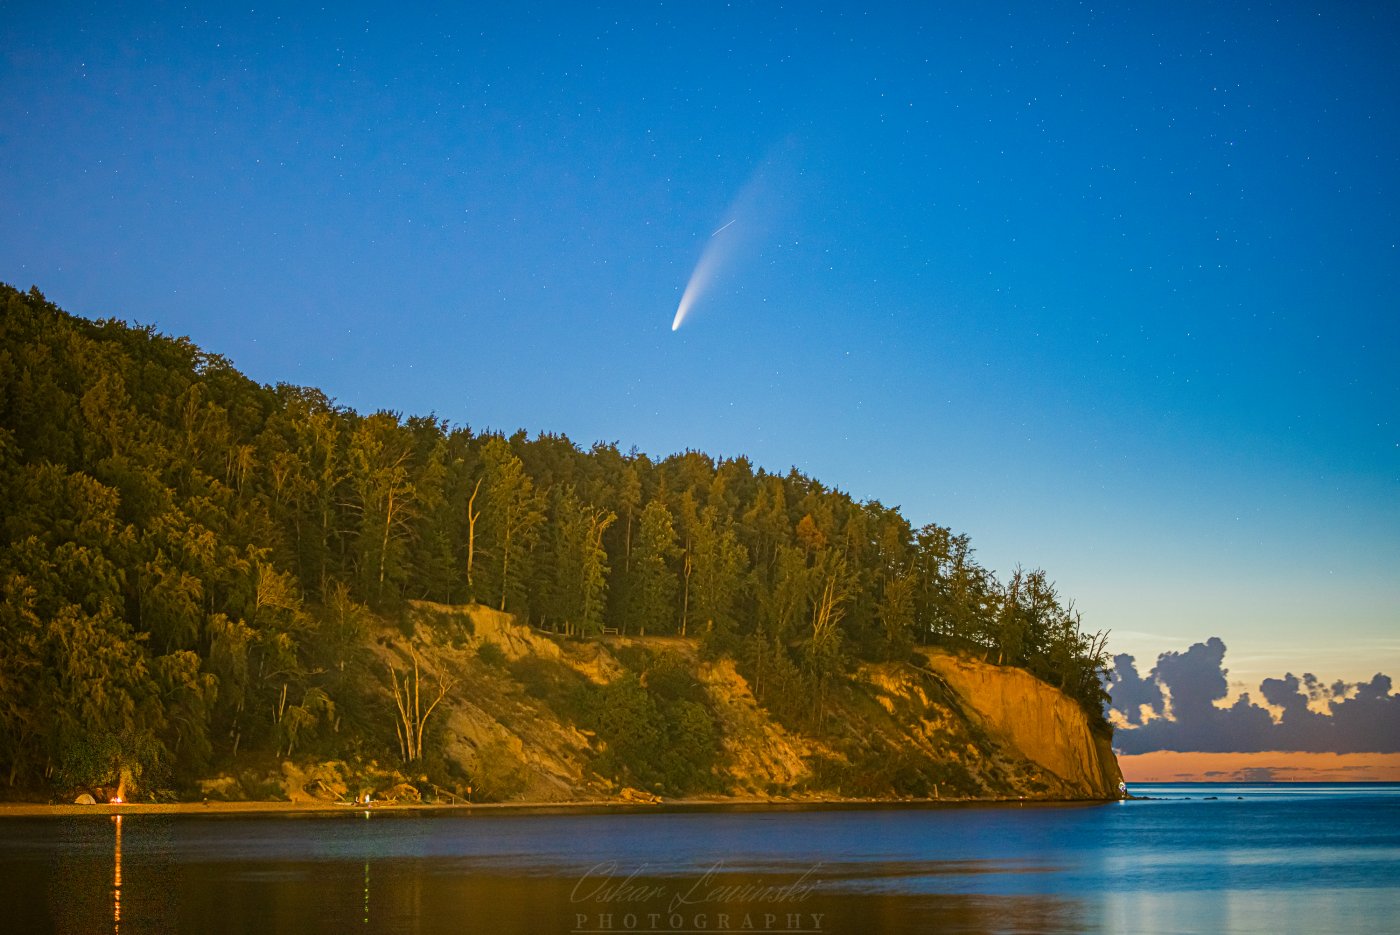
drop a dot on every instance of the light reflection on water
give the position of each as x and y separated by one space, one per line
117 874
1251 859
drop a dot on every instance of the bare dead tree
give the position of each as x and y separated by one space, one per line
824 648
473 515
414 709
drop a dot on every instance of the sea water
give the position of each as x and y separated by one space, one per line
1266 858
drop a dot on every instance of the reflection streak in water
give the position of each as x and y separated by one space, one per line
117 876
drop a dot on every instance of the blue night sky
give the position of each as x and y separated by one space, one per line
1114 291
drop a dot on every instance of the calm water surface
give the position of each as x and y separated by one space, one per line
1266 858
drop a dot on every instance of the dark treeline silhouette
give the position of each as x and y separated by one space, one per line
190 560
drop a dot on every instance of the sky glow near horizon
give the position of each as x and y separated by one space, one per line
1113 292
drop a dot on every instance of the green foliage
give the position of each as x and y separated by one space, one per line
491 655
569 694
896 613
385 501
498 774
658 728
513 517
649 603
573 588
716 564
902 772
126 762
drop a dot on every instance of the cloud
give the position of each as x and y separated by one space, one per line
1132 693
1185 689
1256 774
1196 679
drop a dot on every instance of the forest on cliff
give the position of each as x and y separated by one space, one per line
192 565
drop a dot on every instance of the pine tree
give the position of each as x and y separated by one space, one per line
650 601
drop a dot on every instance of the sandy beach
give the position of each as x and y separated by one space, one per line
312 807
31 809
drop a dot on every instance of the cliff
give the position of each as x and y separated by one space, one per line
1036 720
206 578
538 717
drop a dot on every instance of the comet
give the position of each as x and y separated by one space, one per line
752 215
715 251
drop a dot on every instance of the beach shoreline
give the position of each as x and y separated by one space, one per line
318 807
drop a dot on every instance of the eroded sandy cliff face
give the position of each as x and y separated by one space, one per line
940 726
1036 720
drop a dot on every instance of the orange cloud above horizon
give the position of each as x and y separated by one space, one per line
1273 766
